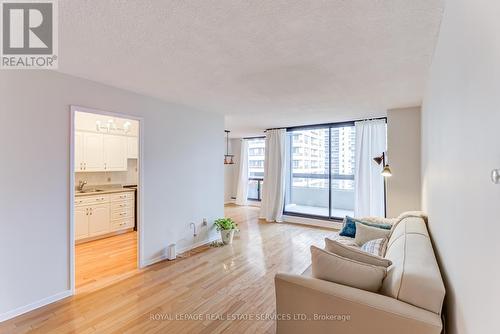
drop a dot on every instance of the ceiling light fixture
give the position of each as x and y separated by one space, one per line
110 125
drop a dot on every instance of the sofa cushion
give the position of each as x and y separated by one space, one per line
343 240
375 247
334 268
410 224
414 276
365 233
355 253
349 226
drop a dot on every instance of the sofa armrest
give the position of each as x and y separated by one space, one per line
348 310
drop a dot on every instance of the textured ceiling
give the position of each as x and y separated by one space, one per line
262 63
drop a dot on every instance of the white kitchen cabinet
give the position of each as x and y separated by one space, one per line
132 147
79 151
81 222
97 215
93 152
115 153
99 219
97 152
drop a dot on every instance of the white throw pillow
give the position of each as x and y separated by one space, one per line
376 247
356 254
366 233
334 268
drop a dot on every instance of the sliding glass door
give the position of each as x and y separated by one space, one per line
256 153
320 177
343 144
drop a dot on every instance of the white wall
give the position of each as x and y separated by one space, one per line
231 171
460 146
183 177
403 142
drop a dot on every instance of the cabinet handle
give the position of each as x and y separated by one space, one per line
84 166
105 166
86 211
91 211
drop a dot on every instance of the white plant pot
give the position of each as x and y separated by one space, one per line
227 236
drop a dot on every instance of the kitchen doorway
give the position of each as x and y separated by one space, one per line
105 198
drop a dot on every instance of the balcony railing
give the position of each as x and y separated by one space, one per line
312 200
255 188
309 195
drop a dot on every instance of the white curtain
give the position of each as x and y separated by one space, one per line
273 191
369 183
242 191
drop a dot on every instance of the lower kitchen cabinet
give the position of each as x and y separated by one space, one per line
102 214
99 219
81 222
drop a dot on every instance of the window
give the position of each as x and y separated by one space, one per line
256 153
321 179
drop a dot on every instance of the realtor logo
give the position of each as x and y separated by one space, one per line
29 34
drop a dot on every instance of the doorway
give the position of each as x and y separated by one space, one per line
105 198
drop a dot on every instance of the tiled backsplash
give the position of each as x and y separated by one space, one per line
100 178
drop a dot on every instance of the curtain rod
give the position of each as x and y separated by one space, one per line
329 124
256 137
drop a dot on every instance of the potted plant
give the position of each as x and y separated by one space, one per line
226 226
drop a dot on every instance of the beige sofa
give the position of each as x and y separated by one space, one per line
409 301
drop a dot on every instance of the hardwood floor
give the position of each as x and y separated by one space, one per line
235 280
102 262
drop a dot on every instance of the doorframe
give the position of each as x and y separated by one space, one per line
140 188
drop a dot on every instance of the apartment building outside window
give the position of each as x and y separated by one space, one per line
256 154
320 181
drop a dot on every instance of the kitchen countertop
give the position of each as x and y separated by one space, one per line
102 191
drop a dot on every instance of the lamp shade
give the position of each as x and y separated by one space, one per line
386 172
379 160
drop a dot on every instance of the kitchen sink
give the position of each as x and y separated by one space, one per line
90 190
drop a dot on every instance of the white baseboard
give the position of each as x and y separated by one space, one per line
181 250
30 307
198 244
313 222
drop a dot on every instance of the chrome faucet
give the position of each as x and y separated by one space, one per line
81 184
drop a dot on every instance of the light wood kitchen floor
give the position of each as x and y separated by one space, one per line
103 262
237 279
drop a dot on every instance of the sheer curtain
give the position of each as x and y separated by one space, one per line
369 183
242 190
273 191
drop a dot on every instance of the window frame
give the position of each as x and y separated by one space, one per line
259 179
330 126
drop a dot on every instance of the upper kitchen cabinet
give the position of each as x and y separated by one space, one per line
132 147
104 143
89 155
79 159
93 153
96 152
115 153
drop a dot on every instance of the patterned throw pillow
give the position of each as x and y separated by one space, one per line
349 227
375 247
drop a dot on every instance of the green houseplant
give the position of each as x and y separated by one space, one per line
226 226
